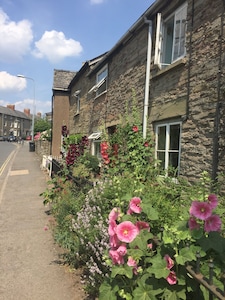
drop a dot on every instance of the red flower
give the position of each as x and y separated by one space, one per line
135 128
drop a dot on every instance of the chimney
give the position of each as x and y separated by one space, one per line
11 106
27 111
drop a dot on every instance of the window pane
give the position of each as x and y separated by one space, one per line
173 159
179 33
161 138
161 157
174 137
168 41
102 75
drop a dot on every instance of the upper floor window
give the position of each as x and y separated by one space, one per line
168 146
170 37
101 81
77 97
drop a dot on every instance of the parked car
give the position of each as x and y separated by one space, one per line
2 138
12 138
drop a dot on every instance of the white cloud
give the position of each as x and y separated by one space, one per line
96 1
55 47
11 83
15 38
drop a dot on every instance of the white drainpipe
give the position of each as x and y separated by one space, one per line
147 79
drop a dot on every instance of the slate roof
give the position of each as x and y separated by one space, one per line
15 113
62 79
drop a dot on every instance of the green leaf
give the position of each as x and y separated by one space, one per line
158 267
150 211
144 293
185 255
122 270
106 292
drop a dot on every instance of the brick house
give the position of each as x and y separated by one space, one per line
14 122
172 58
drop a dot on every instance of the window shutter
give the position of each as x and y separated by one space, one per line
158 41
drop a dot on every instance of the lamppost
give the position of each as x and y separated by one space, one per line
32 127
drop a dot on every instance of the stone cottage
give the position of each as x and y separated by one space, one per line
172 59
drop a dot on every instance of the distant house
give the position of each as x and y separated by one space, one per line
14 122
173 60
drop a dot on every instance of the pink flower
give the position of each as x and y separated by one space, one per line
116 257
126 231
169 262
201 210
131 262
114 241
213 223
134 205
171 278
122 250
45 228
114 214
142 225
193 224
150 246
135 128
104 146
213 201
146 144
112 228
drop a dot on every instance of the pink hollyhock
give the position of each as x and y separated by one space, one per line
126 231
150 246
117 259
172 278
142 225
131 262
213 201
114 214
201 210
104 146
107 161
122 250
134 205
146 144
135 128
114 241
169 262
213 223
112 228
193 224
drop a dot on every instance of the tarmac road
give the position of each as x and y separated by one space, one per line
29 260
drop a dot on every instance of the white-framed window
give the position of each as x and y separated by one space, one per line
95 144
101 81
167 149
170 37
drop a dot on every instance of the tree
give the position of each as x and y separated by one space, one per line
41 125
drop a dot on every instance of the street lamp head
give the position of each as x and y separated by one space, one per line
21 76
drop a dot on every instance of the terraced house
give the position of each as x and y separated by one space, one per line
173 59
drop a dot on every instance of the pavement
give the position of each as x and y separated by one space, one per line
30 265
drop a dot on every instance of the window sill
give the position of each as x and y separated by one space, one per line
168 68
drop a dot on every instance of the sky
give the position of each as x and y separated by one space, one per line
37 37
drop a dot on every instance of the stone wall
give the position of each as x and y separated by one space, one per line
42 148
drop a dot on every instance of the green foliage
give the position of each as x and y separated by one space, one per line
129 170
41 125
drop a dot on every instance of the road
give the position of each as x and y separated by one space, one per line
6 152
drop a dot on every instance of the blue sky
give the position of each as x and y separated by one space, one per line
40 36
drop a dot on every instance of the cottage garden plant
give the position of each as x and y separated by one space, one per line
135 232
